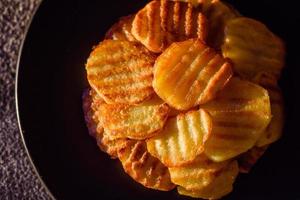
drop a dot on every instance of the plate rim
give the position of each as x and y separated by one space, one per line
20 129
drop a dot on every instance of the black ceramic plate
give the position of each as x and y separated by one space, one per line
51 79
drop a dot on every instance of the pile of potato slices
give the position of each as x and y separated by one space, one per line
185 94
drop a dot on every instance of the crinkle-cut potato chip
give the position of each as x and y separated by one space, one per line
240 113
91 103
190 73
247 160
121 30
182 138
90 114
96 102
204 178
218 13
274 129
163 22
144 168
136 122
253 48
121 71
195 3
110 146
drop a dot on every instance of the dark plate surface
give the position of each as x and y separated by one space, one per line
51 79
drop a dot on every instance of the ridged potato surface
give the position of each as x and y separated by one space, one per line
121 30
218 13
90 100
144 168
253 48
195 3
121 71
136 122
248 160
275 128
185 94
162 22
240 114
91 104
182 138
204 178
190 73
109 145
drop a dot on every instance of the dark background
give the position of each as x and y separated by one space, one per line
52 78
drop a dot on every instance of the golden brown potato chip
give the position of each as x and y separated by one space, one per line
240 114
143 167
204 178
253 48
90 114
121 71
182 138
136 122
218 13
189 73
110 146
163 22
274 129
91 104
121 30
195 3
247 160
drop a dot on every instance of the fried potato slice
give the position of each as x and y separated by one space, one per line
121 71
247 160
204 178
121 30
91 104
274 129
190 73
253 48
136 122
89 101
195 3
182 139
218 13
163 22
144 168
109 145
240 114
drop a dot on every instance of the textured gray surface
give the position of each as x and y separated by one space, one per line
17 177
